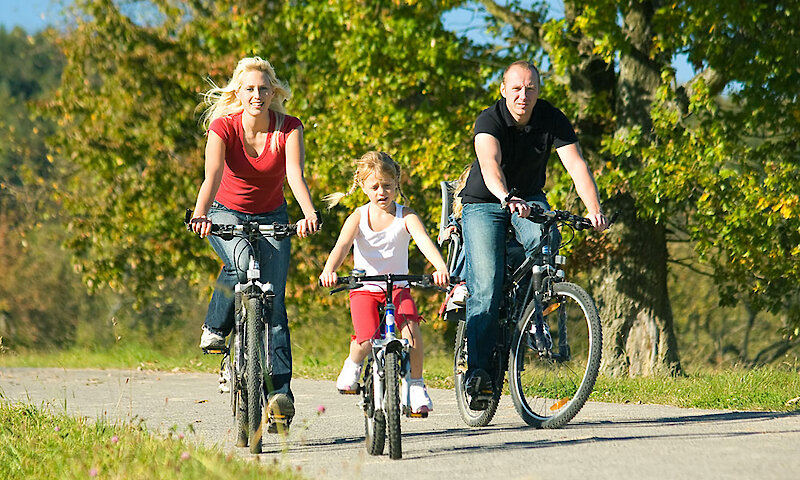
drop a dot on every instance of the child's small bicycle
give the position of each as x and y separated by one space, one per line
387 362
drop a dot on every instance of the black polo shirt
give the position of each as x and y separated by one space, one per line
524 151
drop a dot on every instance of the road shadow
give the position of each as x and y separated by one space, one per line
461 440
716 417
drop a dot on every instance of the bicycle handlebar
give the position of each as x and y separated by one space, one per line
351 282
227 231
540 215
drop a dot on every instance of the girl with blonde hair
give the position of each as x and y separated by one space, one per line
379 233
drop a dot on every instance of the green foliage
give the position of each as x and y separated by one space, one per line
35 443
716 158
131 150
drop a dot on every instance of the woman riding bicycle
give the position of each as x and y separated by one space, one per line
252 147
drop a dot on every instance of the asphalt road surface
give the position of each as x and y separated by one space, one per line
604 441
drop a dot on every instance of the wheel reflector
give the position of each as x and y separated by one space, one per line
559 404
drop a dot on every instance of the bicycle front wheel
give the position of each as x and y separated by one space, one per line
238 399
548 389
255 378
392 403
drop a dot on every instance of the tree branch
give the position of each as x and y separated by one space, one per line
522 25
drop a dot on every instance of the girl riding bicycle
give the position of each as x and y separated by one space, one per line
379 233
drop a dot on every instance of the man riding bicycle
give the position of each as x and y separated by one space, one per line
513 141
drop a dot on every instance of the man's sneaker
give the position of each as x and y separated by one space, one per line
281 412
210 339
542 340
347 383
416 391
478 387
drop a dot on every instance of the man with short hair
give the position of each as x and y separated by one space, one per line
513 140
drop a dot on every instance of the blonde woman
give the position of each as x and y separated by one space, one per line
379 233
253 146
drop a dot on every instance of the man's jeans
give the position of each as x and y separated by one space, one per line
274 264
485 226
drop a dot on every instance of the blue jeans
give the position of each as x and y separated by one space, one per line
274 263
485 226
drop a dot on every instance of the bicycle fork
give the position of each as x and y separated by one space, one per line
243 292
379 349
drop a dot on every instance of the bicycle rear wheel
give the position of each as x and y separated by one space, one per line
374 421
253 371
473 418
392 403
549 390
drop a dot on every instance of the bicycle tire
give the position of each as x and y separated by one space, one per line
238 406
238 393
473 418
549 392
391 403
255 378
374 421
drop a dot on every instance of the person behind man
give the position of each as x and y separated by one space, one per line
513 141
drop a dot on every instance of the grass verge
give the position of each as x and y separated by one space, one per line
36 444
775 388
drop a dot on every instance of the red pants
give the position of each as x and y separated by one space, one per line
364 311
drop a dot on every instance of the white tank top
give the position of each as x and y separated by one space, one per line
380 253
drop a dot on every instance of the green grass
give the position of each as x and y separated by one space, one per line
774 388
766 388
36 444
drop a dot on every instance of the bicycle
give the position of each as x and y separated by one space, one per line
250 338
549 339
387 362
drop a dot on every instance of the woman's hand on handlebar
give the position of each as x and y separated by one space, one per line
310 224
328 279
201 225
441 278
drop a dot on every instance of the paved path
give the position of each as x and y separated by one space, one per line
603 441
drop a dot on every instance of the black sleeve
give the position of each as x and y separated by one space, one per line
487 123
563 133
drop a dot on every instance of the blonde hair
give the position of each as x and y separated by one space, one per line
461 182
379 163
223 101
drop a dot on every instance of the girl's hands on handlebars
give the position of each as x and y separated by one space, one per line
328 279
201 225
441 278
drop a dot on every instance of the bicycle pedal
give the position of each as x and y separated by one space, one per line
279 424
408 413
350 392
215 350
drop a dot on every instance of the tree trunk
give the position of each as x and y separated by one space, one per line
639 338
631 294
